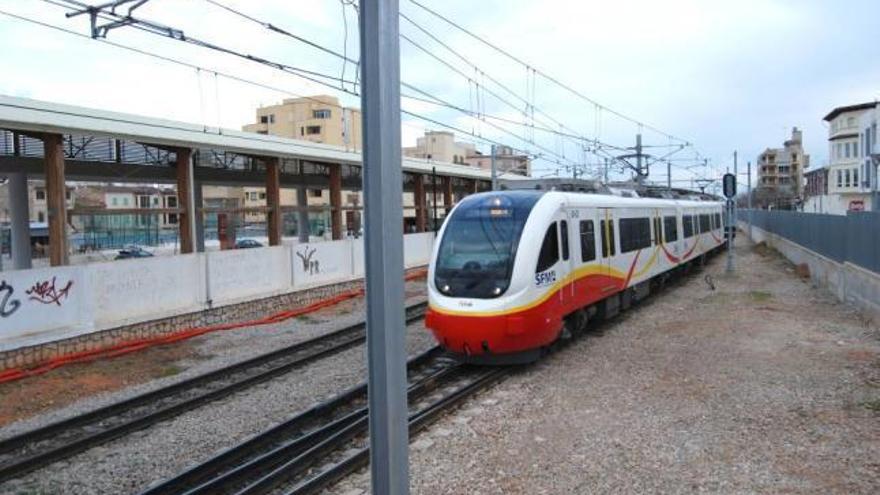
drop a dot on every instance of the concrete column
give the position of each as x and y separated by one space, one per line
419 200
447 193
474 186
20 217
185 199
199 202
273 201
56 198
336 200
302 214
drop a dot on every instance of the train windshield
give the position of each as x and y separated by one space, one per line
479 244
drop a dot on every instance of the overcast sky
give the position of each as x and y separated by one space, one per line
725 75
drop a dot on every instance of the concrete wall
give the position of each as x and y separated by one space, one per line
49 304
850 283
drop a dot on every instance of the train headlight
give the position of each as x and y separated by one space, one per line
445 289
497 291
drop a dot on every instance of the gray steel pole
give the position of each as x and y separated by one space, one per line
383 242
20 232
669 176
750 200
494 171
639 177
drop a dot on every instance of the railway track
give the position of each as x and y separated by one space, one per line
40 447
323 444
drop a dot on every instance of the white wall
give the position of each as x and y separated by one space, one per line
47 304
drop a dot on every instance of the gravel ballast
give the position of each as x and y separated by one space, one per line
764 385
132 463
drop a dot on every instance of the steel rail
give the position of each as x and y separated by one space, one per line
300 432
38 448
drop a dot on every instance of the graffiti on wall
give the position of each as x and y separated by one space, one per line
43 292
46 292
7 304
310 266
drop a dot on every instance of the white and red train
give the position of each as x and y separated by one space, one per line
513 271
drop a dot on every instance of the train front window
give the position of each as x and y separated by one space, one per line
479 244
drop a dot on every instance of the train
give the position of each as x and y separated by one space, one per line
513 272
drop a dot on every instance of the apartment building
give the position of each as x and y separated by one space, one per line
507 161
850 174
320 119
440 146
781 170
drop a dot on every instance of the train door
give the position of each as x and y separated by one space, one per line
566 292
607 244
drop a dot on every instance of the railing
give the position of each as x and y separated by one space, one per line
853 238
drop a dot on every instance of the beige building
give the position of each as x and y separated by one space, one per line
440 146
781 170
320 119
507 161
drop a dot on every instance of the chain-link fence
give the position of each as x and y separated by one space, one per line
854 237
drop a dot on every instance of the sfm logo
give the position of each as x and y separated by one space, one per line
545 278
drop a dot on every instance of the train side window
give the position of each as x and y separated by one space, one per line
635 233
704 223
687 222
670 229
563 230
588 241
718 220
549 254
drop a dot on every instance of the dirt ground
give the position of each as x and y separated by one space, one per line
34 395
753 383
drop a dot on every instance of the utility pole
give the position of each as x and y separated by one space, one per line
669 175
434 194
731 220
749 199
606 171
494 171
640 177
383 243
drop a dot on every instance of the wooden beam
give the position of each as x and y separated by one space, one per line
184 199
420 201
273 201
56 200
447 193
336 200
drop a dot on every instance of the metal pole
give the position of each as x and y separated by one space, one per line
20 232
606 171
383 242
750 199
434 194
669 176
494 171
729 212
639 177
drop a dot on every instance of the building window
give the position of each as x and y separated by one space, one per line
315 193
635 233
262 195
41 217
321 114
124 201
302 131
40 195
114 201
588 241
840 178
846 182
855 177
264 119
313 129
549 254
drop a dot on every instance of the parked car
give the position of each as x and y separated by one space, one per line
133 252
247 244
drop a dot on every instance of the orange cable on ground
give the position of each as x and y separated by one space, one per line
120 349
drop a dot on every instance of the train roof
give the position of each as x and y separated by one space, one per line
608 200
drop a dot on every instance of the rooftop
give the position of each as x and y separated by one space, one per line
849 108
